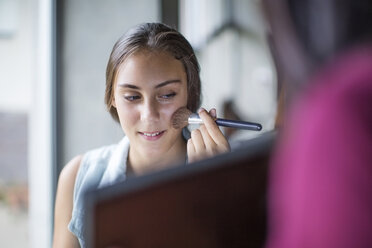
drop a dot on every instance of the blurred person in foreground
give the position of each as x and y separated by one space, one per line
320 190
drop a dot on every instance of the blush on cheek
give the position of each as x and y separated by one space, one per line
168 112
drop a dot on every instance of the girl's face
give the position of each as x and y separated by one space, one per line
149 88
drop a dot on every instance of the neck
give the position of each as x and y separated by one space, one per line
139 164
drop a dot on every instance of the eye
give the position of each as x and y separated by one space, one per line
168 96
132 98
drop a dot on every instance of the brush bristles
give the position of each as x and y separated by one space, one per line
180 117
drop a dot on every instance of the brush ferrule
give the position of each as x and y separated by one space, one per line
195 119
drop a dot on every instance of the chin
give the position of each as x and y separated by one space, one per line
153 152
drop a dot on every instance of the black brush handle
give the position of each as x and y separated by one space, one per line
239 124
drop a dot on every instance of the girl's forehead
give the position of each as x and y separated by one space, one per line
150 66
148 60
148 54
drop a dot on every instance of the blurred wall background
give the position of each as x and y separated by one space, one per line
17 42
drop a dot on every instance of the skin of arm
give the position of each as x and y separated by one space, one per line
62 237
207 140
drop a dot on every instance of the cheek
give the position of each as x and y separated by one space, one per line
128 115
168 110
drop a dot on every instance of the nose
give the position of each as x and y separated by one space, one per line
150 111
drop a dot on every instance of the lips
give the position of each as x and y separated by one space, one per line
151 135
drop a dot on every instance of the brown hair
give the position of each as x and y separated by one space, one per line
154 37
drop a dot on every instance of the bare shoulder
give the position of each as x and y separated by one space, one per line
69 172
64 204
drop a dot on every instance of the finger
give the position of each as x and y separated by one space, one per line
212 127
210 144
191 153
197 150
213 113
197 140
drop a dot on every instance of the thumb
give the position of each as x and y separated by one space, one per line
213 113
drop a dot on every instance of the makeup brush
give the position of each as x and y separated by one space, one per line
183 116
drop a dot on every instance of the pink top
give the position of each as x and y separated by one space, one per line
320 190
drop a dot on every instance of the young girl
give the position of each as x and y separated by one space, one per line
152 71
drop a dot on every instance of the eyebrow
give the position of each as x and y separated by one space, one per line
131 86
